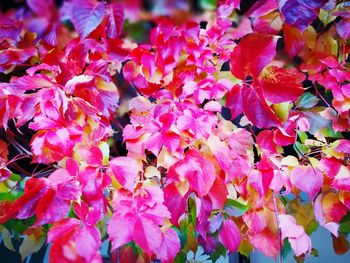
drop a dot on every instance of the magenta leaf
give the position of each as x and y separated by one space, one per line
229 235
87 15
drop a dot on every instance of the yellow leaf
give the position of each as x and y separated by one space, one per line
290 160
106 86
182 187
281 110
104 147
115 183
245 247
152 171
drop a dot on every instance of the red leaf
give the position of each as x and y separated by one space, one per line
281 84
252 54
257 110
340 244
25 206
266 241
218 194
51 208
293 39
4 152
234 101
62 228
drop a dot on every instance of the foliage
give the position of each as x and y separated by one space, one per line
174 135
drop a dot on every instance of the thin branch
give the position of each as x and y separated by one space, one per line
279 255
324 100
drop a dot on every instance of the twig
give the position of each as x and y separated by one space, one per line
279 255
324 100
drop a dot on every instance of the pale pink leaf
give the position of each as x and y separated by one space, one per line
308 179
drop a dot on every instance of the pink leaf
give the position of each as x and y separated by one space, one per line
169 247
174 202
88 241
229 235
308 179
147 235
115 17
40 7
321 218
199 172
125 170
61 228
120 230
298 239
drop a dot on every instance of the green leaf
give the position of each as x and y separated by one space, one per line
245 248
219 251
15 177
6 238
181 235
302 136
208 4
307 101
180 258
314 252
189 232
312 227
300 149
9 196
235 208
345 227
286 248
193 211
16 225
137 31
